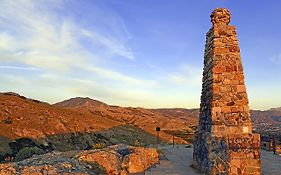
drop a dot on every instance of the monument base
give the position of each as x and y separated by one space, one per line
230 155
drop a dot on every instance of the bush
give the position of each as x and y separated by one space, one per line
137 143
1 158
28 152
99 146
8 120
159 150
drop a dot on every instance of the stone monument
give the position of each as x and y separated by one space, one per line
224 142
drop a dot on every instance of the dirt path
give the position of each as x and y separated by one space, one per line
177 161
271 164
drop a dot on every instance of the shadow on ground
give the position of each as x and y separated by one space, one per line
122 134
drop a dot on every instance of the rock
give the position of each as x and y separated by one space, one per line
110 160
140 159
7 169
113 160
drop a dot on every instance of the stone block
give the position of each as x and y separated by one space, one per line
240 88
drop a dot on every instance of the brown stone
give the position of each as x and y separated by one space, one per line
140 159
220 16
110 160
7 169
241 88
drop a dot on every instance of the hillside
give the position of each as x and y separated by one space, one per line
77 123
270 117
169 119
22 117
268 121
275 109
190 115
47 125
145 119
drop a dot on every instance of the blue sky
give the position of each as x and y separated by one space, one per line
146 53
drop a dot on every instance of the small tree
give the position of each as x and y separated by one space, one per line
28 152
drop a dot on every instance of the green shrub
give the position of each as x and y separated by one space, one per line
28 152
98 146
137 143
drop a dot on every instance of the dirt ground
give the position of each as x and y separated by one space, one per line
177 161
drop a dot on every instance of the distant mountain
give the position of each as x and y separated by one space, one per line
269 116
268 121
145 119
190 115
275 109
78 102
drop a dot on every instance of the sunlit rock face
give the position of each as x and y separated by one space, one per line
112 160
224 142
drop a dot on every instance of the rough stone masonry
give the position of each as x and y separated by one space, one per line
224 142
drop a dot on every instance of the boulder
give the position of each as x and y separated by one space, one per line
110 160
113 160
140 159
7 169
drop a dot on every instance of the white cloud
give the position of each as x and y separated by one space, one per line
31 34
13 79
35 37
109 74
5 41
115 46
104 91
186 75
276 59
19 68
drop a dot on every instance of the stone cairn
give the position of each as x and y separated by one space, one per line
224 142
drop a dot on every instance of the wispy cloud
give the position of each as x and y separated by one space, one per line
186 75
18 68
114 46
13 79
36 38
109 74
31 34
276 59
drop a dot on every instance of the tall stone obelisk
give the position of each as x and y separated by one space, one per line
224 142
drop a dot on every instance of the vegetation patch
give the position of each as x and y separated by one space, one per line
28 152
130 135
